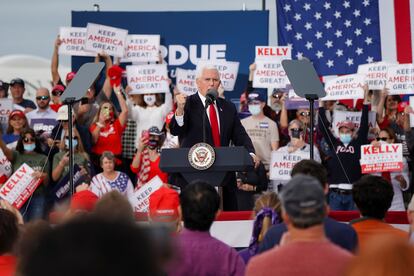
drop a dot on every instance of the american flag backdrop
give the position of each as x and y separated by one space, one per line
338 35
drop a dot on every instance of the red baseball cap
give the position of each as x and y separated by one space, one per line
70 76
83 200
347 124
163 205
17 112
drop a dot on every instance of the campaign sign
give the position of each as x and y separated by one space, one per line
73 41
227 69
5 166
270 74
185 81
345 87
281 163
140 198
400 79
375 74
20 186
385 158
6 106
354 117
101 38
293 101
268 53
61 189
142 48
148 78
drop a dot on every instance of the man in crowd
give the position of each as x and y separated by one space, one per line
9 233
262 131
339 233
198 253
305 250
43 118
373 196
4 89
17 88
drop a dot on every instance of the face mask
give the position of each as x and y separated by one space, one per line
345 138
149 99
29 147
276 107
152 144
74 143
254 109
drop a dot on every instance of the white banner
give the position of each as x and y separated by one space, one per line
385 158
375 74
400 79
140 198
148 78
345 87
354 117
20 186
185 81
6 106
282 163
5 165
101 38
270 74
142 48
73 42
228 71
268 53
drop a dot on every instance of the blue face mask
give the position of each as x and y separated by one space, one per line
74 143
29 147
254 109
345 138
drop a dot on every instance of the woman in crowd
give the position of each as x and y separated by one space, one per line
399 180
387 109
146 161
267 212
110 179
148 110
17 123
108 127
61 159
28 151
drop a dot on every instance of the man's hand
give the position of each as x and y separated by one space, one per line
181 99
256 160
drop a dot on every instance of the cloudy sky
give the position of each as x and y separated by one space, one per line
30 27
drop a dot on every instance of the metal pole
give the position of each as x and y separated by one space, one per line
312 111
263 5
70 123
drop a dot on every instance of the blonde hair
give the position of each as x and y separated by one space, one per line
267 200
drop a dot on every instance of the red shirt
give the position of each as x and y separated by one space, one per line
55 107
154 170
7 265
110 138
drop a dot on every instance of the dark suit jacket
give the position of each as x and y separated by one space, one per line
231 130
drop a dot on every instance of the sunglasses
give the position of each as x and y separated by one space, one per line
74 137
42 98
57 93
381 139
277 96
304 113
29 140
296 129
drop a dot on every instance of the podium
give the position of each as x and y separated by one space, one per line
228 159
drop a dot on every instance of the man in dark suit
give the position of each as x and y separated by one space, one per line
222 122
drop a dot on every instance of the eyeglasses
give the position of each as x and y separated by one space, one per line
381 139
277 96
304 113
29 140
296 129
57 93
42 98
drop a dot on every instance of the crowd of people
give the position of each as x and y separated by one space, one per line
118 140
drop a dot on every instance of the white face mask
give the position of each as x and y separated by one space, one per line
254 109
149 99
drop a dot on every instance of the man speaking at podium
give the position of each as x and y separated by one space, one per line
222 122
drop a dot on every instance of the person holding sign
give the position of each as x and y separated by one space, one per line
344 167
387 108
399 180
28 151
110 179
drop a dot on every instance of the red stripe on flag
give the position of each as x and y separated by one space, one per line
403 30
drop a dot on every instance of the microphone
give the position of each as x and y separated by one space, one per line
211 96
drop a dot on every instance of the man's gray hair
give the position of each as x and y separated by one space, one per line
208 66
